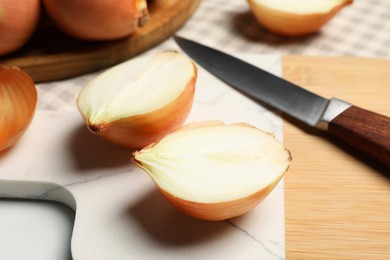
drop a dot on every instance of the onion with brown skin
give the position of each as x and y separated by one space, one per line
18 99
221 210
140 101
214 171
98 19
18 21
295 17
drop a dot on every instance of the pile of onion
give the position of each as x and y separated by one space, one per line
86 20
208 170
295 17
18 21
18 99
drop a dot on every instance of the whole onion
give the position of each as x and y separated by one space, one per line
18 99
98 19
18 20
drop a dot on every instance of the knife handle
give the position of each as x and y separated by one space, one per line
365 131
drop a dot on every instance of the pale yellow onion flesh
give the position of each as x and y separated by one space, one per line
98 20
295 17
18 20
215 171
18 98
139 101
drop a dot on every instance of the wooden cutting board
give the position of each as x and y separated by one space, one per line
52 55
337 202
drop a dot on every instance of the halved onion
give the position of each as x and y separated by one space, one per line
18 99
215 171
139 101
295 17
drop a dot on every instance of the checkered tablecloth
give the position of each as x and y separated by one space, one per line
361 29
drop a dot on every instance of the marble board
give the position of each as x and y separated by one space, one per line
119 212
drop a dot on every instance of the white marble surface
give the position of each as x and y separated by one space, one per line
118 212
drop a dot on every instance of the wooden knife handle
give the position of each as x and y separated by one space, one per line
365 131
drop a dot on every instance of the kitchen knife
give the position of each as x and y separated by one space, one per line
363 130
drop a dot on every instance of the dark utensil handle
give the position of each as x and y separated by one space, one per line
365 131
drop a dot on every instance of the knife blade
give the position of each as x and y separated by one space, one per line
365 131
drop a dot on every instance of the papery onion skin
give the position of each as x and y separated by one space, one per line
222 210
98 19
18 99
214 211
141 130
291 24
18 21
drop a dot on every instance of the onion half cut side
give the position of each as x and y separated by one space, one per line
295 17
215 171
140 101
